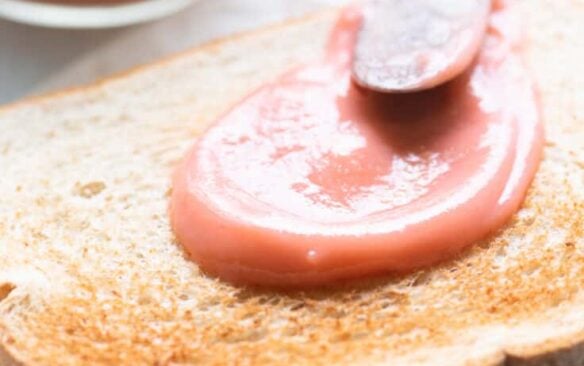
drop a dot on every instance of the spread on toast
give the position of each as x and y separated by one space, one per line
312 179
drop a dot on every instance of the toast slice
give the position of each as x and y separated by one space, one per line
90 273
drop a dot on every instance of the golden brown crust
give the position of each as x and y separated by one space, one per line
130 297
7 358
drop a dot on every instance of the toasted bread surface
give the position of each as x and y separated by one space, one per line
90 273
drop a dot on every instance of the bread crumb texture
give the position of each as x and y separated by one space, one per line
90 273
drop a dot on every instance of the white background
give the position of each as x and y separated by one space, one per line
37 60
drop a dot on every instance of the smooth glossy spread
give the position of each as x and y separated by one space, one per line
311 179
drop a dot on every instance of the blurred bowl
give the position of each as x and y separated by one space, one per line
100 14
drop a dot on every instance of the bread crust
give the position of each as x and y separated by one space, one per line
565 348
7 359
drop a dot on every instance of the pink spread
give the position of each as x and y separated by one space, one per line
312 179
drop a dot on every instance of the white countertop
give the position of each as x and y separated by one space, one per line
36 60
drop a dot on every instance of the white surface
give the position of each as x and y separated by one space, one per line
37 60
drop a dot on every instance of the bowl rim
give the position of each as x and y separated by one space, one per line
88 16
